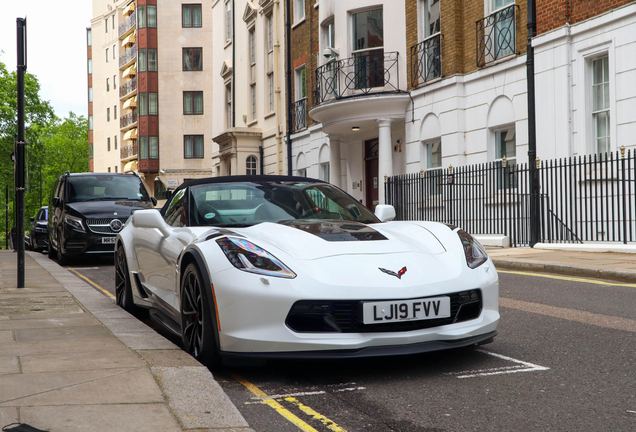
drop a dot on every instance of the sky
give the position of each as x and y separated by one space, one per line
56 48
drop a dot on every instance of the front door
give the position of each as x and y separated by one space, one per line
371 182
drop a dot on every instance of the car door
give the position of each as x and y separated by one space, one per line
55 216
157 256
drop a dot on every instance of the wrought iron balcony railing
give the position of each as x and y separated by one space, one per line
372 71
300 114
128 23
426 60
127 56
128 119
496 36
128 151
127 88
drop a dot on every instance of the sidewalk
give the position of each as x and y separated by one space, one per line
71 360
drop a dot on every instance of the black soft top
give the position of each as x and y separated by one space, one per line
248 179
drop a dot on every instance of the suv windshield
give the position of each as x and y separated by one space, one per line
106 188
245 204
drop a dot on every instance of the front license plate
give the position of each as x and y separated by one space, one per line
108 240
406 310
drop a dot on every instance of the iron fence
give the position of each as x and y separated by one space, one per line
583 199
426 60
127 24
129 87
128 55
370 71
299 114
496 35
128 119
128 151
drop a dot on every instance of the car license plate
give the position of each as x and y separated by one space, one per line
406 310
108 240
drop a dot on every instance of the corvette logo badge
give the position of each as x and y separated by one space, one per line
392 273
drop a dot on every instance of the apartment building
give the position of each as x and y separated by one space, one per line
162 98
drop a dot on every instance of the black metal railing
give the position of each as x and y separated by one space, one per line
128 23
128 119
127 88
370 71
299 113
426 60
583 199
128 55
128 151
496 35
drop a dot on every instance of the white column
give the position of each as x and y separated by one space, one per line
334 160
385 155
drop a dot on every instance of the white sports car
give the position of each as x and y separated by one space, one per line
289 267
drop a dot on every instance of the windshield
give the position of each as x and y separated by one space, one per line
245 204
106 188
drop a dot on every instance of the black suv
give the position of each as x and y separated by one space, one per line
87 210
38 237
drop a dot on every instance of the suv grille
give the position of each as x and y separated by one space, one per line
345 316
102 226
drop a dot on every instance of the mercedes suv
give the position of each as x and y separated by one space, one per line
87 210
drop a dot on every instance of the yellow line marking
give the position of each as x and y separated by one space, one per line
93 283
330 424
572 279
275 405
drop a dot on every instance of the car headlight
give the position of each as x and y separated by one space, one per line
75 223
248 257
475 253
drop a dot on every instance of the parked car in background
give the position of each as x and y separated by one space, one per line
38 233
87 210
258 267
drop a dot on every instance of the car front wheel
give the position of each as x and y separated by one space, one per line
123 291
197 328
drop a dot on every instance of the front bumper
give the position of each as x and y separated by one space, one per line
78 243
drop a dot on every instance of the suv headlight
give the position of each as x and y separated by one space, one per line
75 223
248 257
475 253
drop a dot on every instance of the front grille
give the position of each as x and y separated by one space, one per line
345 316
102 226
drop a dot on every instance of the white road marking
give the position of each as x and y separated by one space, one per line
85 268
521 367
312 393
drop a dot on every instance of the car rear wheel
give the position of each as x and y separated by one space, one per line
197 328
52 250
123 290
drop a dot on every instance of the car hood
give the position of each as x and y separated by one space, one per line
314 239
107 209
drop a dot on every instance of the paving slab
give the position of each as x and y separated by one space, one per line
168 358
196 399
8 415
6 337
9 365
143 341
123 386
76 361
127 325
102 418
38 305
19 349
66 333
37 322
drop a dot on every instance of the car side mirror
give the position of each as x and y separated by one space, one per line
385 212
31 219
151 218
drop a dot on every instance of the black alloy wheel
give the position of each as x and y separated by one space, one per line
52 250
62 258
197 328
123 289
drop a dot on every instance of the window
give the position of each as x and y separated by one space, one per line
325 172
108 169
193 146
115 112
191 15
505 146
106 25
107 56
115 142
299 81
228 104
153 106
601 104
192 102
253 98
270 86
116 168
368 54
153 147
113 20
90 150
160 190
302 172
141 16
90 122
107 84
192 59
434 159
146 16
142 60
143 147
252 46
108 119
90 66
299 10
330 34
503 32
142 104
90 94
228 21
250 165
300 106
89 37
108 144
270 32
430 18
152 16
114 81
114 52
152 60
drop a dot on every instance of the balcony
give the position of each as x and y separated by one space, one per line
128 56
299 114
128 151
426 60
128 24
129 87
372 71
496 36
128 119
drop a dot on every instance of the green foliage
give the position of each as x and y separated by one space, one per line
55 145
